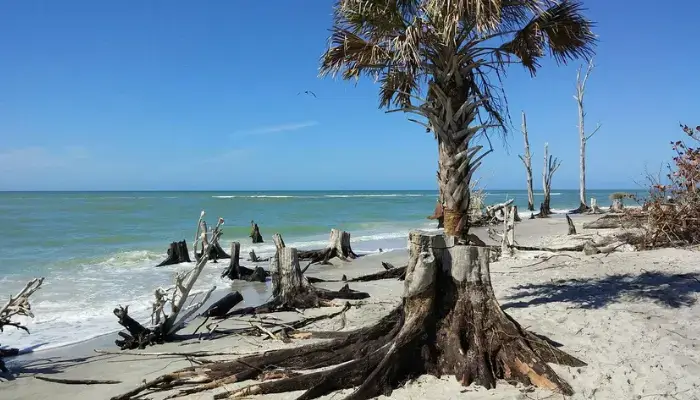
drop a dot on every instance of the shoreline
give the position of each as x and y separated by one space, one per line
254 295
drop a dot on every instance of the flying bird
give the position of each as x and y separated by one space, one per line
308 92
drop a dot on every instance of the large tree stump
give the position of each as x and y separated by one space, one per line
236 271
594 206
255 233
177 253
450 323
338 246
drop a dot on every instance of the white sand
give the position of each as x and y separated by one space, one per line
632 316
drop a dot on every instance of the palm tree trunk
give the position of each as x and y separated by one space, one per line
454 188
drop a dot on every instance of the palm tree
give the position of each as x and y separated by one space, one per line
443 59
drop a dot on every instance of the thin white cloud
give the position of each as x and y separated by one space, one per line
278 128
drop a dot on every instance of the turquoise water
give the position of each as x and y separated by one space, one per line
98 249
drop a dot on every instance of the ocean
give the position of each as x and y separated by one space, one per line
98 250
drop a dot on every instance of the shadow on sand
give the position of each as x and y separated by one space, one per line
669 290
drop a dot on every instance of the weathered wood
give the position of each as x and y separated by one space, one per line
236 271
582 135
255 235
450 323
570 223
177 253
17 306
611 221
139 336
508 239
338 246
527 161
222 306
76 381
594 209
551 164
516 215
617 206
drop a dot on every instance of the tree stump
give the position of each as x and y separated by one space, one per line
572 227
338 246
594 206
7 352
236 271
450 323
617 206
255 233
177 253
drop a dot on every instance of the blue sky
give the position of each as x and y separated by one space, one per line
155 95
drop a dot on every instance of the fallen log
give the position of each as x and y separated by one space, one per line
392 273
76 381
570 223
177 253
138 336
236 271
222 306
338 246
609 221
255 233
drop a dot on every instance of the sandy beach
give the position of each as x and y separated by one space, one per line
631 316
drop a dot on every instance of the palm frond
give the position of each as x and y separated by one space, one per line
352 55
561 28
397 88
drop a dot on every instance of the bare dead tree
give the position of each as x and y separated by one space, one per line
527 161
551 164
583 137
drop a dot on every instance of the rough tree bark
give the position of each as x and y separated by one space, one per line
551 164
583 137
527 161
236 271
255 233
177 253
450 323
338 246
17 306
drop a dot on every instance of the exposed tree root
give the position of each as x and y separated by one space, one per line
450 323
236 271
177 253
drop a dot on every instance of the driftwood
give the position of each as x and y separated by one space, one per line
291 289
338 246
255 235
222 306
17 306
167 324
76 381
450 323
610 221
390 272
570 223
617 206
594 207
236 271
177 253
